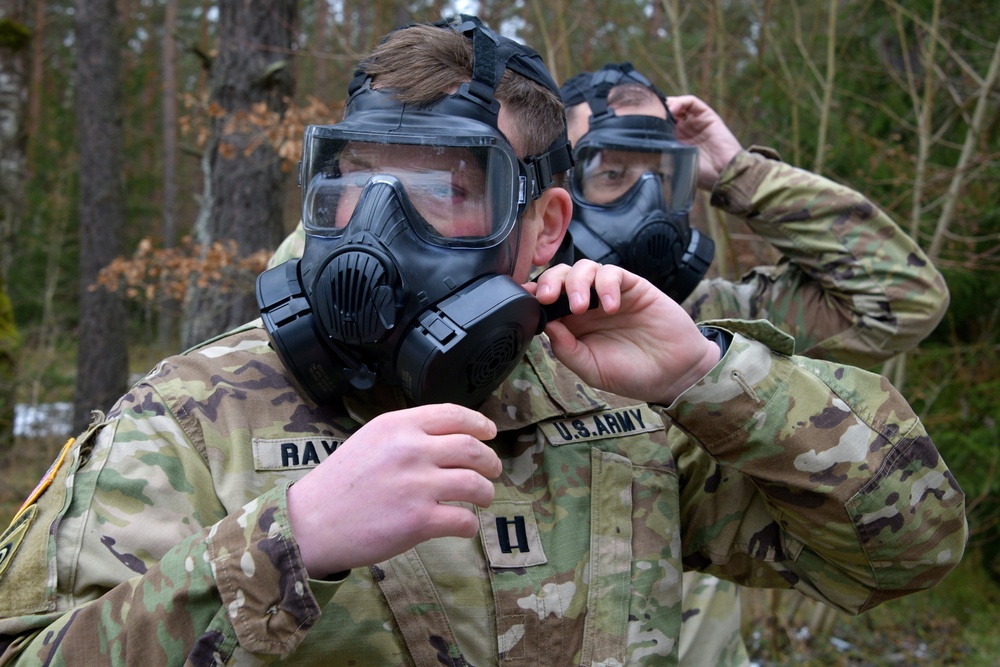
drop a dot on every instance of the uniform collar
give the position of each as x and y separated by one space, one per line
540 388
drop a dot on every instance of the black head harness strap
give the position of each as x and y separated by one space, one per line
594 87
492 55
492 51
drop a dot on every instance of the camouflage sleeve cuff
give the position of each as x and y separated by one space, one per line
738 183
261 578
718 408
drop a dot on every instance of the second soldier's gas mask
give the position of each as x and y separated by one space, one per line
411 239
633 187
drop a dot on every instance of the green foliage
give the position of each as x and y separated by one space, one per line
974 311
42 282
13 35
10 338
950 625
47 370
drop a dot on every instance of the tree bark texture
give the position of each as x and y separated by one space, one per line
102 359
243 177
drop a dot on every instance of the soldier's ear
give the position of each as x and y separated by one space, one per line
554 210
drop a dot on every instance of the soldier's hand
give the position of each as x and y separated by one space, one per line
639 343
392 485
699 125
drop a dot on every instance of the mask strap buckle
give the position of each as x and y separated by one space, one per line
541 168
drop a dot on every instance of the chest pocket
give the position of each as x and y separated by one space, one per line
606 623
578 540
575 603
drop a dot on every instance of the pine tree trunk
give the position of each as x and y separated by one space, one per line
243 177
102 358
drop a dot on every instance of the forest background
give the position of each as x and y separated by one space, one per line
147 171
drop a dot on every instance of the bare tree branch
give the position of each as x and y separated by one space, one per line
971 138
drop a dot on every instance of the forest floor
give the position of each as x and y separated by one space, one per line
951 625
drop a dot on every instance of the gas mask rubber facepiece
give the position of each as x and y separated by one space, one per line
411 239
633 187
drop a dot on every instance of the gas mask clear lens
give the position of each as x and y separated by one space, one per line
410 212
466 194
607 176
633 186
405 278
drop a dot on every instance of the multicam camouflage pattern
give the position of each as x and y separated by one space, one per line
711 623
290 248
169 541
852 287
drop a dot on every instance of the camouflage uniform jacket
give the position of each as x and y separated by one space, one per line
165 537
851 287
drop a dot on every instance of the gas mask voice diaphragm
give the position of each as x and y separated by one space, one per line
411 228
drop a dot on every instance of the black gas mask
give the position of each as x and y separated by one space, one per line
411 228
633 187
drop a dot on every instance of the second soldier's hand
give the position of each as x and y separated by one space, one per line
699 125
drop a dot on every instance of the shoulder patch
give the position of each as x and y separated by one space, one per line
292 453
49 475
14 535
614 422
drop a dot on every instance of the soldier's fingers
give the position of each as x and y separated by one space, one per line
445 520
445 419
465 486
549 285
609 283
578 282
463 451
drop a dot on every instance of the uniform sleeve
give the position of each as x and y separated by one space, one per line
290 248
710 623
818 476
148 568
851 286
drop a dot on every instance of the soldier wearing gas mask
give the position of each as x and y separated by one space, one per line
851 285
410 214
313 488
634 184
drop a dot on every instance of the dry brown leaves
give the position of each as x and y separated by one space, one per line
152 273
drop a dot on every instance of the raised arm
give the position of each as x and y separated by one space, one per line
827 479
850 286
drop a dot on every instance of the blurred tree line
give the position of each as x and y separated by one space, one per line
156 140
